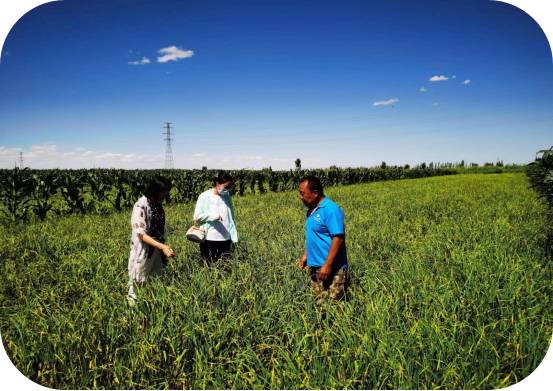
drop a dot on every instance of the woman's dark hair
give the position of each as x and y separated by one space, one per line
223 177
169 187
167 183
157 185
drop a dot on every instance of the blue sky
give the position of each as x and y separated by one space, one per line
258 84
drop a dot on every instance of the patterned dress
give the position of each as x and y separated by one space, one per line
148 219
157 228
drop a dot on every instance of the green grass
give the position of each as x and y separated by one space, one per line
450 289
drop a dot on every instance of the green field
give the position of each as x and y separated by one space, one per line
450 289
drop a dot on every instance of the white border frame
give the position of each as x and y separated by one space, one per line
12 10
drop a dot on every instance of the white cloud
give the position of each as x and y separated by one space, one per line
233 162
109 155
173 53
385 102
168 73
438 78
9 151
248 157
7 54
141 62
423 89
46 148
130 51
454 77
9 157
466 82
55 156
435 104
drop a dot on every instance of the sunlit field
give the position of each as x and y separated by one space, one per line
450 289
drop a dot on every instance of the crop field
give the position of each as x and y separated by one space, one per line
449 289
27 194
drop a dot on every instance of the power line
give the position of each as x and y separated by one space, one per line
169 164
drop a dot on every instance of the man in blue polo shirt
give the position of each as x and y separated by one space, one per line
325 252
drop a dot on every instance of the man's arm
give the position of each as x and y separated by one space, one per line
303 261
335 245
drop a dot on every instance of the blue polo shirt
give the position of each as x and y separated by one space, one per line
320 226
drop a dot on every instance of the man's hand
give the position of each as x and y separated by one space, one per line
326 269
303 263
168 252
324 272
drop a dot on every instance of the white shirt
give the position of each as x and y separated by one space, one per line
221 229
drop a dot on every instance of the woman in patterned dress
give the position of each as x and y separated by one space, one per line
148 249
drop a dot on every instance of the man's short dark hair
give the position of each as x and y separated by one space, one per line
313 183
157 185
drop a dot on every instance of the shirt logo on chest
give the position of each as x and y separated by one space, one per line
317 218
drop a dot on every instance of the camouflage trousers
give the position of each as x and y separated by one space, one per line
333 288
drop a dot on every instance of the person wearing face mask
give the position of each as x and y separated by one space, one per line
148 249
215 214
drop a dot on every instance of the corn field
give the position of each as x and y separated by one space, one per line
540 173
36 194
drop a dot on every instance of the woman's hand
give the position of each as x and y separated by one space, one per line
152 242
169 253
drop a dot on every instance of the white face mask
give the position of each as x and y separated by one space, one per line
223 191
